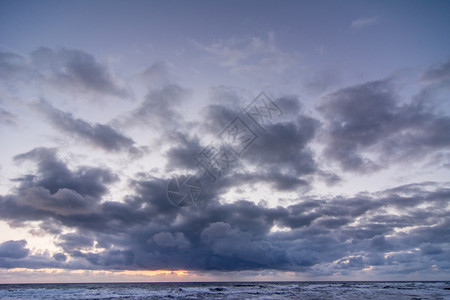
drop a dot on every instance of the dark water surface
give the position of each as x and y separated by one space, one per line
230 290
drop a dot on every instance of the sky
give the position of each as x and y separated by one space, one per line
224 140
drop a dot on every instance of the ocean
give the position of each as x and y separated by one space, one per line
230 290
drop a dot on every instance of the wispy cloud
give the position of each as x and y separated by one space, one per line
255 55
360 23
98 135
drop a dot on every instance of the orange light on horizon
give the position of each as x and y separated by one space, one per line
180 273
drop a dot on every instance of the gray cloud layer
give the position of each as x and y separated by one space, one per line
99 135
75 69
364 128
369 119
65 69
149 233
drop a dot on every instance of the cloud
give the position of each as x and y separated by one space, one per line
75 70
66 70
60 256
72 241
14 67
225 231
144 231
279 157
369 128
63 202
430 249
55 175
437 73
157 74
13 249
7 118
258 56
181 155
284 146
323 81
97 135
166 239
361 23
232 243
159 108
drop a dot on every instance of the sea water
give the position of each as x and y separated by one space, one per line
230 290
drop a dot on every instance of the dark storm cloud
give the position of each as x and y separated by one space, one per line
322 232
216 117
430 249
75 70
276 179
146 232
326 234
167 239
367 121
284 146
60 256
280 156
53 174
72 241
230 242
56 195
98 135
14 249
181 155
